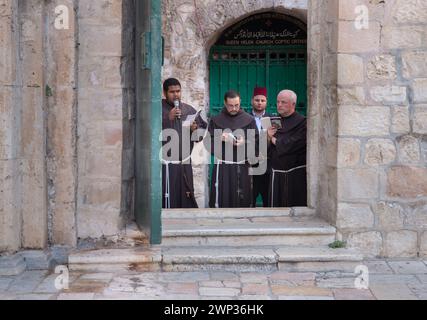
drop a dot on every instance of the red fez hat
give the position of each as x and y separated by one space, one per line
260 92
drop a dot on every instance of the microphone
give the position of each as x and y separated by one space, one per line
176 104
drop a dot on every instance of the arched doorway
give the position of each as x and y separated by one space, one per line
267 49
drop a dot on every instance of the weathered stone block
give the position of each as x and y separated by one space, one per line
414 64
364 121
103 163
389 95
412 11
400 244
347 9
101 12
102 40
369 243
368 40
400 120
100 105
357 184
348 152
351 96
420 120
382 67
409 150
407 182
380 152
402 37
350 69
97 223
34 204
354 216
102 194
113 133
391 216
418 217
420 90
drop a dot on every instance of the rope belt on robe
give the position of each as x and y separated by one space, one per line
167 178
281 171
219 161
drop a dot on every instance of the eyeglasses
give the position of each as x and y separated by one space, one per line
232 107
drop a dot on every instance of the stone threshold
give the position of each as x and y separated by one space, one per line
164 258
222 213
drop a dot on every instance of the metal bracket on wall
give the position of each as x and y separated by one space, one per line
145 50
163 51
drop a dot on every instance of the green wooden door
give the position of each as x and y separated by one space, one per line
148 182
243 68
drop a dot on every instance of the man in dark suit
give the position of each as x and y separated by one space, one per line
260 182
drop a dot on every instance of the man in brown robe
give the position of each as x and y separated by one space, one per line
177 179
288 155
233 132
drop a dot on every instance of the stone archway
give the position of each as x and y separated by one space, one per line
187 44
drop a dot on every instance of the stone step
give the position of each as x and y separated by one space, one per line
181 259
236 213
12 265
115 260
274 231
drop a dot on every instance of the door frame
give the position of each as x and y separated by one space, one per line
148 64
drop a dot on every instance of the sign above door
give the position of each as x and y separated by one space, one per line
267 29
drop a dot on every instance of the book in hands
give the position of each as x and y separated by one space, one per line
191 118
268 122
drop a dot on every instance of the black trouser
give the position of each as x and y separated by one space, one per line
260 186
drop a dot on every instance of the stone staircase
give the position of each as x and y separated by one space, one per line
293 240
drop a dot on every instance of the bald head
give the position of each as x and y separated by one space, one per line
286 103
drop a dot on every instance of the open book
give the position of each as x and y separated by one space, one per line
268 122
191 118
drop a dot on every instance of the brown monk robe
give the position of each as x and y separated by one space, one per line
288 186
178 188
234 182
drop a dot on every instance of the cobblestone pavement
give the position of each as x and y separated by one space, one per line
387 280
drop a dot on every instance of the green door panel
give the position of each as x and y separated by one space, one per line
244 68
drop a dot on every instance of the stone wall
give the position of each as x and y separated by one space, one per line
381 162
322 116
64 105
190 28
61 155
10 108
100 118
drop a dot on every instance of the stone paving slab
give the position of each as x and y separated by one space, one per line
35 297
211 285
5 282
420 290
293 298
378 267
76 296
353 294
218 292
394 291
27 282
393 279
12 265
408 267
